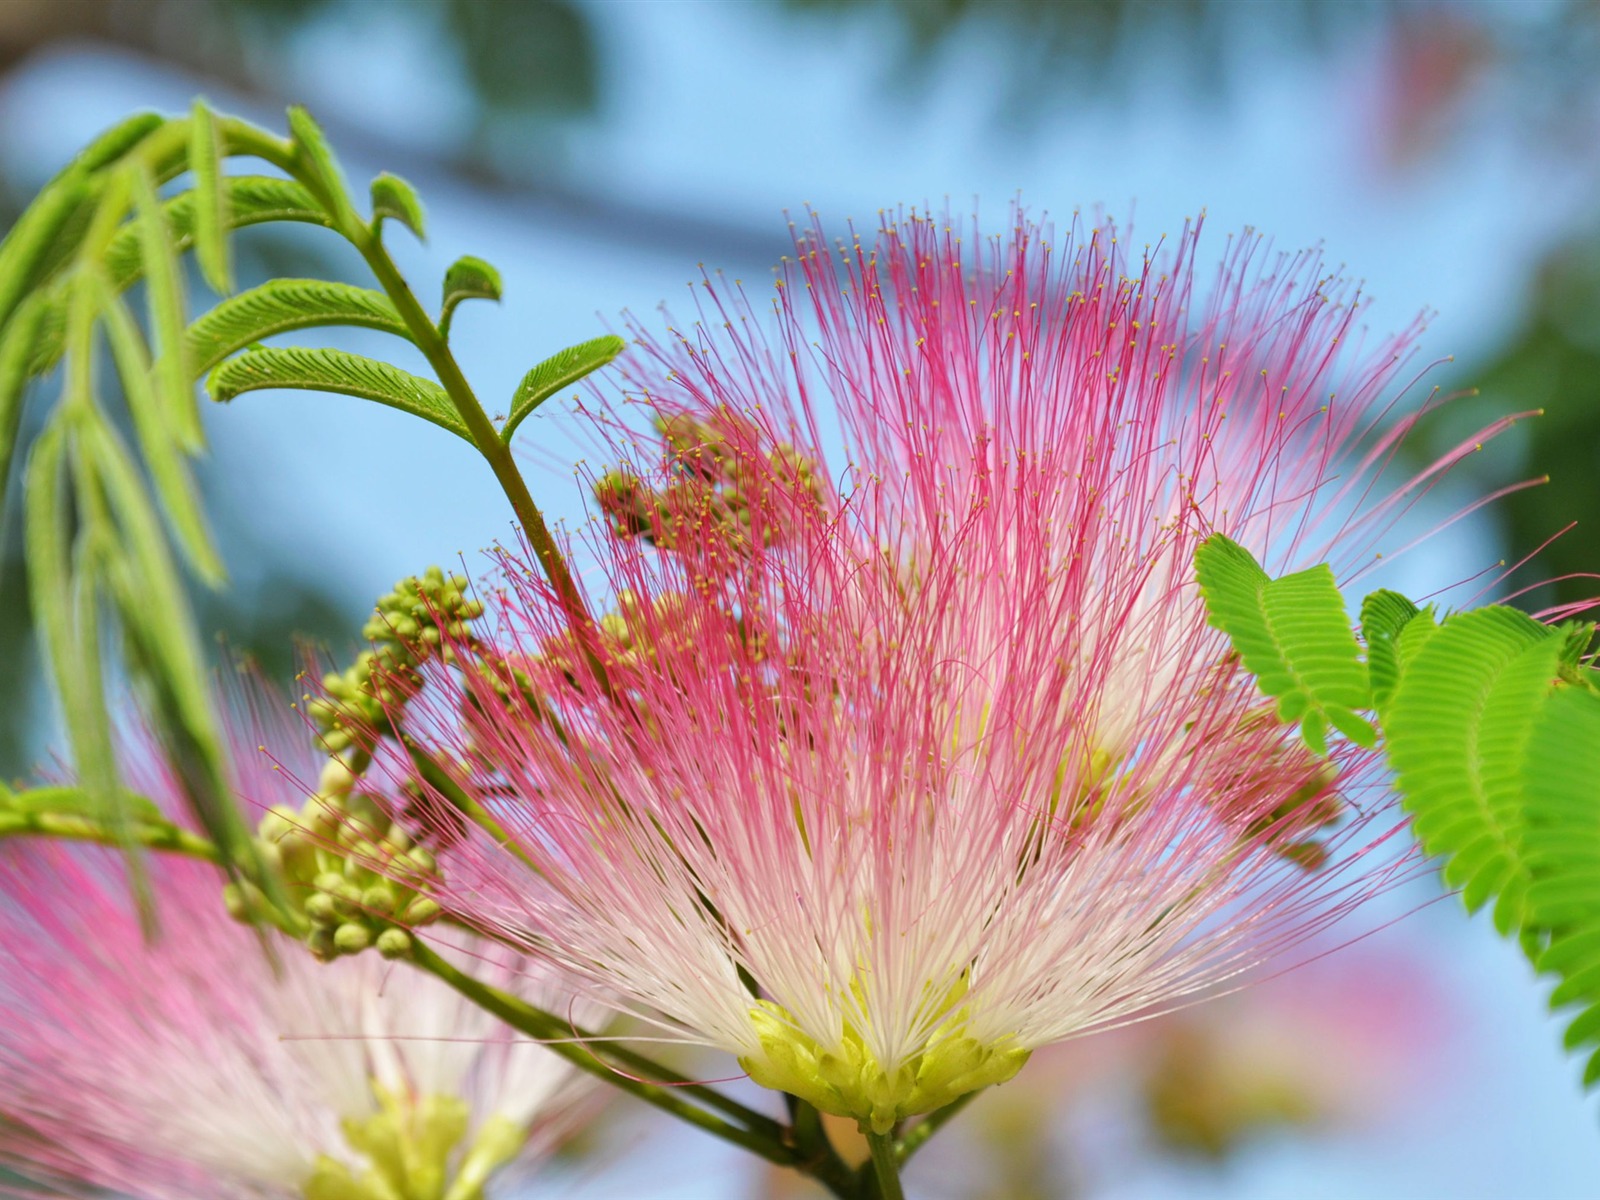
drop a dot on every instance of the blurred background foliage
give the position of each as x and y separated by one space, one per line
527 79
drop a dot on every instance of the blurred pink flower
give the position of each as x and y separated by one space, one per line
922 754
196 1067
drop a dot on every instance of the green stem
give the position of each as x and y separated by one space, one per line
485 437
436 777
930 1125
761 1134
822 1161
169 838
246 139
886 1166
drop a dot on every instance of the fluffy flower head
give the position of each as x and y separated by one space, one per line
922 755
196 1067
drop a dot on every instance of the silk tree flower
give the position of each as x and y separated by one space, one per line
204 1065
918 754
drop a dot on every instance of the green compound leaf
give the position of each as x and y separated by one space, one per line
252 200
1384 614
558 371
1293 635
1458 728
336 371
396 200
467 279
46 234
249 200
1562 781
211 223
281 306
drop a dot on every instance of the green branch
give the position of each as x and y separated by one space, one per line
759 1134
886 1166
169 838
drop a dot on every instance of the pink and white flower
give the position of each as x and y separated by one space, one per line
919 753
221 1062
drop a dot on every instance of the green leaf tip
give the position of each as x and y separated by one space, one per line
312 149
560 370
468 278
299 368
1293 635
211 223
396 200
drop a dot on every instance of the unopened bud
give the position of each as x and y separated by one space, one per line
351 938
422 911
394 943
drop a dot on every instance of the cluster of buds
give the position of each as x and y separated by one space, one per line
424 615
714 483
353 872
350 861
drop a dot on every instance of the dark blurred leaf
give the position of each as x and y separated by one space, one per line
527 54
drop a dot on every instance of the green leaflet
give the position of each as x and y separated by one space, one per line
316 157
1384 614
1457 730
153 423
335 371
16 346
467 279
161 643
48 230
210 201
249 200
1293 635
396 200
281 306
1563 846
560 370
164 289
65 606
33 236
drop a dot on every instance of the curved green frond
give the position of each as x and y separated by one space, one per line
318 164
394 199
335 371
560 370
1457 731
1293 635
210 201
281 306
468 278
